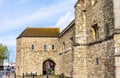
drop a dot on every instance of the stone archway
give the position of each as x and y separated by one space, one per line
48 67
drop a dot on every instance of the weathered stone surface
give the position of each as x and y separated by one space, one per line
90 48
117 54
66 58
78 53
32 61
117 13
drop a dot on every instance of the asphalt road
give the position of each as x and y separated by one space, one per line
2 73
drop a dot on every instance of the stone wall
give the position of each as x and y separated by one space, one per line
117 44
29 60
101 13
89 50
79 69
18 57
117 64
65 54
77 53
117 54
100 62
117 35
117 13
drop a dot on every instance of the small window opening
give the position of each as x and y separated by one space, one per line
33 47
97 61
53 47
95 31
63 45
45 47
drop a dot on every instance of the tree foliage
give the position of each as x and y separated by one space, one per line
3 52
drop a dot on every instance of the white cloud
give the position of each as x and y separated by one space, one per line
65 20
41 14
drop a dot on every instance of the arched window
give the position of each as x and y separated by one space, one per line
53 47
33 47
95 31
45 47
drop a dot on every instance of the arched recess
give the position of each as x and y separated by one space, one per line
48 67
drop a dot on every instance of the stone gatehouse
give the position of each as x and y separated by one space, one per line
87 48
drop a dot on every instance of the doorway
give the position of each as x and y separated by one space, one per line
48 67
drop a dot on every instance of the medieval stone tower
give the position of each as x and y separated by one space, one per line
94 43
89 47
117 36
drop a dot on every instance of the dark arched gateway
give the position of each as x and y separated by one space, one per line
48 67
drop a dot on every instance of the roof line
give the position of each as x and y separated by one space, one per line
61 34
37 28
43 27
67 28
22 33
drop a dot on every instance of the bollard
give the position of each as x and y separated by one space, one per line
62 75
47 75
15 75
23 75
33 75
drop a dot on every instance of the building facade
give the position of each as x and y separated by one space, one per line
34 49
87 48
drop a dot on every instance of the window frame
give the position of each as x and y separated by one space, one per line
53 47
95 32
97 61
45 47
33 47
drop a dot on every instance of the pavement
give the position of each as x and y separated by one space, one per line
51 76
12 75
3 74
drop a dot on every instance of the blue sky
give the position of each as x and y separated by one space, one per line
16 15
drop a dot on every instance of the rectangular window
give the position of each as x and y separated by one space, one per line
53 47
97 61
45 47
32 47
